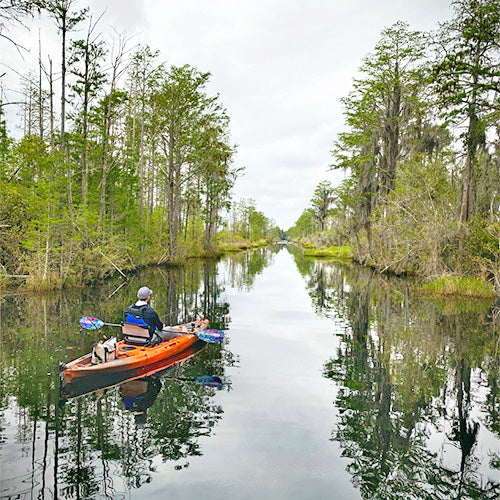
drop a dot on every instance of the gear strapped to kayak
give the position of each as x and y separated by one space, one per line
104 351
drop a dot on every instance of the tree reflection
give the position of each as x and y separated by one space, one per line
85 439
242 268
416 381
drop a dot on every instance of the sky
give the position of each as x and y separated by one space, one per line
281 68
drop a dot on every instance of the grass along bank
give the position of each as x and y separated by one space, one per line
239 245
343 252
460 286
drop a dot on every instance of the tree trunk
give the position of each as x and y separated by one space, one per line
51 97
177 203
106 134
171 193
40 93
468 177
63 76
391 142
86 82
30 107
141 162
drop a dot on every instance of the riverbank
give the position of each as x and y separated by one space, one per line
47 282
240 245
445 285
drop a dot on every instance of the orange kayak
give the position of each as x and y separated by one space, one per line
130 357
80 386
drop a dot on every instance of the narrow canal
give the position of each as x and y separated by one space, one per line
332 382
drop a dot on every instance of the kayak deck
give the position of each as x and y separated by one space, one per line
129 357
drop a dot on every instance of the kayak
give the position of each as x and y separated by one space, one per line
80 386
130 357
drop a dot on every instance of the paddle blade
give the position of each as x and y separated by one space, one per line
209 381
91 323
211 335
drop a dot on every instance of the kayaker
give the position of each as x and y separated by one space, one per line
143 310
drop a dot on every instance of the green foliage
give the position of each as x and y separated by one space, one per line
16 210
409 203
143 178
481 248
466 75
304 225
246 227
414 226
398 208
321 202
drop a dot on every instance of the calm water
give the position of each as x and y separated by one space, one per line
333 382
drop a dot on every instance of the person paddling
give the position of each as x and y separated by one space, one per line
143 310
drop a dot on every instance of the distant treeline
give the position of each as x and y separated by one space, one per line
135 168
422 147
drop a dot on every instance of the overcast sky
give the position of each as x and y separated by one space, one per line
280 67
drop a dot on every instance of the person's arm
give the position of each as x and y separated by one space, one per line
158 323
154 319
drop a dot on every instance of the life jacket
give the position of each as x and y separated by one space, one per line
135 326
134 315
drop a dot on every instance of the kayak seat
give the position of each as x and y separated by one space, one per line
135 334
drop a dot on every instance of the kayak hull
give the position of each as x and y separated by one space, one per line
89 384
130 357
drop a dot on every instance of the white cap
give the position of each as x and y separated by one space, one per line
144 292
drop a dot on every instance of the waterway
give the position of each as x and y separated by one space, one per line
332 382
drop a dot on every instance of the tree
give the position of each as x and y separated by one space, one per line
467 78
85 63
180 106
321 203
384 113
213 160
303 226
132 167
144 78
66 21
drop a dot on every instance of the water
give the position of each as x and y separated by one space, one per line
332 382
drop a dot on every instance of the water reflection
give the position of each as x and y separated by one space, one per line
415 383
418 386
98 438
242 268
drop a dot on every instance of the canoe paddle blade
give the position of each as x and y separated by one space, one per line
210 335
91 323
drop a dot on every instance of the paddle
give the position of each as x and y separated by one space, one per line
210 335
205 380
90 323
209 381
